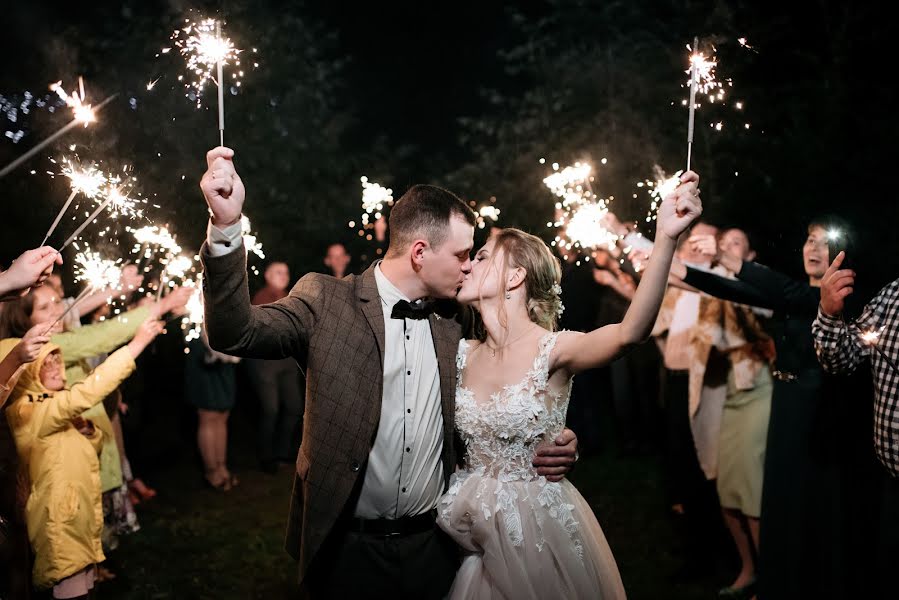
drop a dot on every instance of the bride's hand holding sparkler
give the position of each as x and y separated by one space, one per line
835 286
222 187
680 208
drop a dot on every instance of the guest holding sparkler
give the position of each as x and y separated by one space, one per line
742 423
813 530
59 448
42 304
842 347
76 308
30 270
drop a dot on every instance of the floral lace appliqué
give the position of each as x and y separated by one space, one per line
501 436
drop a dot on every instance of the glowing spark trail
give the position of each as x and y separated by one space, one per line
88 181
53 137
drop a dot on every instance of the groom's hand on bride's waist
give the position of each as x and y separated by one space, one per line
554 459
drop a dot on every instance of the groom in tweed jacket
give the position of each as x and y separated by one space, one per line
378 445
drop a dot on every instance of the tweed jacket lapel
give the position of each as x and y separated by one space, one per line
445 333
371 307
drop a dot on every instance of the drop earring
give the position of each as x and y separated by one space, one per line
508 295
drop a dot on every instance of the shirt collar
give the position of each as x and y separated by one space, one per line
388 292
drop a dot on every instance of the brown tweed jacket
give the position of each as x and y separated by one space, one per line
335 327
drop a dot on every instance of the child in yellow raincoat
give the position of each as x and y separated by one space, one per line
64 514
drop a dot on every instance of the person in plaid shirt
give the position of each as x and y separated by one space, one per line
841 347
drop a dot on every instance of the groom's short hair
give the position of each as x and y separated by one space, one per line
424 212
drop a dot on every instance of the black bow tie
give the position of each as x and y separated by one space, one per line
414 310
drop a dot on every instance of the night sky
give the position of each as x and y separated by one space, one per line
404 74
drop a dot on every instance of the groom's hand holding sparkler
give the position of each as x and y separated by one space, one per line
680 208
222 187
835 286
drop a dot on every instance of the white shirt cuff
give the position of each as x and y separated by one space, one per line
224 241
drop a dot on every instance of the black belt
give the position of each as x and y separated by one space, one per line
393 527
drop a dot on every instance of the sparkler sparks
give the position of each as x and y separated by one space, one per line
702 68
203 49
659 187
98 273
581 213
82 112
250 241
178 267
118 200
486 213
152 235
87 180
374 198
870 337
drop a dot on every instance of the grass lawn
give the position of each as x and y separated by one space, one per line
198 543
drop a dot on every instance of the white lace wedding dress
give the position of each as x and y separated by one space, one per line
523 537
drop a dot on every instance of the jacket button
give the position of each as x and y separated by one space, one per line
354 466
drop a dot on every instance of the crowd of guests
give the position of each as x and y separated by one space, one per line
766 446
78 379
765 443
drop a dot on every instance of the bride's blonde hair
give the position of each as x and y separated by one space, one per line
543 274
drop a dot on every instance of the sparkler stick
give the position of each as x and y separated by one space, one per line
694 80
84 294
59 216
870 339
76 121
89 220
221 82
160 286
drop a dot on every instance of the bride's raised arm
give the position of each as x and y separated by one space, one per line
579 352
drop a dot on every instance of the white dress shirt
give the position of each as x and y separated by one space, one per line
404 474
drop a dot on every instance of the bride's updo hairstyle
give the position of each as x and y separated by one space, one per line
544 273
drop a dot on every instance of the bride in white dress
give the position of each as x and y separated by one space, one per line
523 536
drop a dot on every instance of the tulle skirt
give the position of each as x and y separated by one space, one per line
526 539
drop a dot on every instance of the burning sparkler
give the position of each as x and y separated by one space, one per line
581 213
659 188
97 273
88 181
84 114
374 198
250 241
487 212
871 338
205 49
115 195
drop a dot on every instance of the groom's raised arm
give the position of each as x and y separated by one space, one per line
278 330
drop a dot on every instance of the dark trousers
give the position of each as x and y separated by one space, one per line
358 565
703 533
635 395
888 535
584 414
277 385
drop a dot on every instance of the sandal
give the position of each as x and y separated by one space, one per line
221 486
141 489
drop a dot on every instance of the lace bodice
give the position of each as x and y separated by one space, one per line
502 433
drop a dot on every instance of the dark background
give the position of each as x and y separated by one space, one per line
469 95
